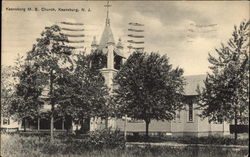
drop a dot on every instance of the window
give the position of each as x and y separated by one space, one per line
190 112
6 121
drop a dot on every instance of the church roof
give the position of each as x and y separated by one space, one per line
119 52
192 81
107 36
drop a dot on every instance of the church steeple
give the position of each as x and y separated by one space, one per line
107 44
107 35
107 18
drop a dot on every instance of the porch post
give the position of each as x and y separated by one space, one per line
125 129
38 124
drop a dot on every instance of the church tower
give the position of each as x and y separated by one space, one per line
114 56
113 52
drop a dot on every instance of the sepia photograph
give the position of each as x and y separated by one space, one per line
125 78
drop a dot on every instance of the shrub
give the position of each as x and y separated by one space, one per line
189 140
14 145
213 140
106 138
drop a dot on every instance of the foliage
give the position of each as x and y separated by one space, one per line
148 87
106 138
41 146
38 77
7 89
83 93
226 93
98 59
213 140
25 99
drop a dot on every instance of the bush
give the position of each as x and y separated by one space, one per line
239 129
214 140
189 140
14 145
106 138
33 144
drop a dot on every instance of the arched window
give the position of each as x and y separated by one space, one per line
190 112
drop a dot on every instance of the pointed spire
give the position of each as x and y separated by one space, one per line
119 44
94 42
107 35
107 18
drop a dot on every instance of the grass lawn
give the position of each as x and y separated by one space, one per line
15 145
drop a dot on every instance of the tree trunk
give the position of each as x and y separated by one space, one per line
38 124
52 128
85 126
235 130
52 107
63 123
125 129
147 127
106 123
235 124
24 125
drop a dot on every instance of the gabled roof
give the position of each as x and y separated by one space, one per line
107 36
192 81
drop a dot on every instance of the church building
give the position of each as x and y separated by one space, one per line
186 122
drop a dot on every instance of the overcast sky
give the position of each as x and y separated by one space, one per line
185 31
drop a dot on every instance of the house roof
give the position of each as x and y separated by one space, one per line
192 81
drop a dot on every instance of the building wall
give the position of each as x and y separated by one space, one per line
177 125
213 128
140 126
198 127
180 126
9 123
190 126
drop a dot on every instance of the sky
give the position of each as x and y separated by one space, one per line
185 31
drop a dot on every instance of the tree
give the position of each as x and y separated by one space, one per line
226 93
52 57
7 89
83 94
25 101
148 88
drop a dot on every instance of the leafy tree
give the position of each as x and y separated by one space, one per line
7 88
52 57
148 88
98 59
226 93
83 94
25 101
